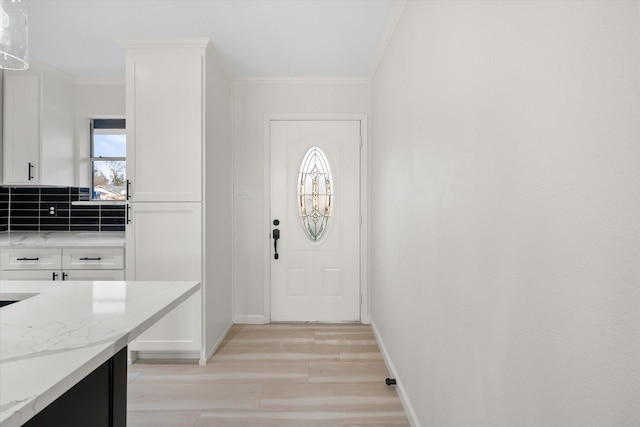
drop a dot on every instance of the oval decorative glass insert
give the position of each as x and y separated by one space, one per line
315 193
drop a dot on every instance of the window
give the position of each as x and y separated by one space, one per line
315 193
108 159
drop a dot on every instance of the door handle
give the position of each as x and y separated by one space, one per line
30 167
276 236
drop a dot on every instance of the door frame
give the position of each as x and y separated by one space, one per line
364 203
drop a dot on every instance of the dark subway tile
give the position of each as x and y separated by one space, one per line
15 227
112 228
54 227
85 207
54 190
85 213
112 214
25 206
25 197
112 221
54 221
16 213
84 221
25 220
84 227
24 190
54 198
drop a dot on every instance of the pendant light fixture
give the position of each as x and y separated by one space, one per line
13 35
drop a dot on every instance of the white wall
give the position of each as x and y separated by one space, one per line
218 210
505 212
94 100
253 99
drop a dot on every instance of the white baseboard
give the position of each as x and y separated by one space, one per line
164 355
404 399
248 319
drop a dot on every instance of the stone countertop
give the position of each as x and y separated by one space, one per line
62 331
62 239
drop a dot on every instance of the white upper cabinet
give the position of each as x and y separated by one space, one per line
164 125
38 128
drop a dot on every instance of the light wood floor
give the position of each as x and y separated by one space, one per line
272 375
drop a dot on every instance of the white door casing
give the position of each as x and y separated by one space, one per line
316 281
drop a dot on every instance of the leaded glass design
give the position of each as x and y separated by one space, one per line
315 193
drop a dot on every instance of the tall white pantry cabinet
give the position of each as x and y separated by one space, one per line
179 157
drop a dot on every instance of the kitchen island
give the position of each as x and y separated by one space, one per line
66 340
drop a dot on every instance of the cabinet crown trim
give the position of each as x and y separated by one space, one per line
201 42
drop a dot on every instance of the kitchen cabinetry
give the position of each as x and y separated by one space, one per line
38 134
165 243
178 99
164 125
62 263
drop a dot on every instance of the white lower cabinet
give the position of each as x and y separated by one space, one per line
62 263
164 242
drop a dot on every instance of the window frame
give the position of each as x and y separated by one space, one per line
92 158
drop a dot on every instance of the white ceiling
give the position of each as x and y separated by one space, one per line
273 38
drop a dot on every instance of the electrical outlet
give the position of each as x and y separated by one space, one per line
53 210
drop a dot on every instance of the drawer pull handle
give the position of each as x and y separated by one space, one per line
28 259
90 259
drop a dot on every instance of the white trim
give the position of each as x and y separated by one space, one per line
104 81
329 80
249 319
364 202
392 23
199 42
402 393
364 227
141 355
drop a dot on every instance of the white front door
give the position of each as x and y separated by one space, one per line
316 276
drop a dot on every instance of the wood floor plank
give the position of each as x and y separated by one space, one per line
193 397
347 372
162 419
367 397
225 371
303 419
272 375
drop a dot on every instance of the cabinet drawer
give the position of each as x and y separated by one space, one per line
29 275
93 259
30 259
94 275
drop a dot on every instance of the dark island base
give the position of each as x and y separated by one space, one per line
100 399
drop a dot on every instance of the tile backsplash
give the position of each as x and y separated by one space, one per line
51 209
4 209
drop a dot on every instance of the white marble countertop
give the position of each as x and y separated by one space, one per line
50 341
62 238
